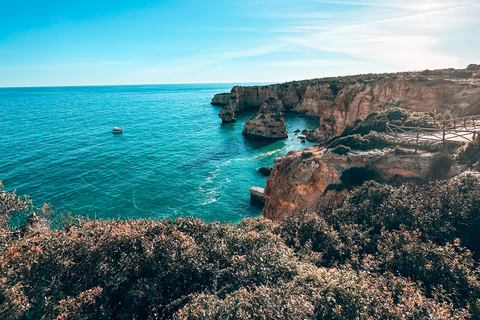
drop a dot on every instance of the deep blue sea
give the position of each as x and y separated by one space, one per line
175 157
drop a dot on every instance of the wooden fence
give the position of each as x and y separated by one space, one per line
465 123
458 129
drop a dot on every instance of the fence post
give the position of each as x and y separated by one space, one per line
454 124
443 139
418 135
474 135
396 129
465 123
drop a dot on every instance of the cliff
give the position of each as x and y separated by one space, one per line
304 181
268 122
221 99
340 101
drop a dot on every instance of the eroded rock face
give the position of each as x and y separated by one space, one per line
268 122
255 96
221 99
339 102
299 180
357 101
227 114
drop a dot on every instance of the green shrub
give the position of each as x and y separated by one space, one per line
377 121
311 235
408 252
341 149
461 74
470 153
11 204
373 140
355 176
439 167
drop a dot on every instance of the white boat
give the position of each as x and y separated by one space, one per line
117 130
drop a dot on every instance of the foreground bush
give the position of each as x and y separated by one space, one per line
386 253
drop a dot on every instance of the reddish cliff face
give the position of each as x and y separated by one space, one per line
359 100
299 180
338 102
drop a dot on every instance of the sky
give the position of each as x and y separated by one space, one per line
121 42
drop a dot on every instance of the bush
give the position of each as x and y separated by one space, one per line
373 140
355 176
10 204
377 121
461 74
341 149
470 153
408 252
439 167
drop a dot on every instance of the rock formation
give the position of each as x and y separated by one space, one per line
227 114
257 194
299 180
221 99
265 171
340 101
268 122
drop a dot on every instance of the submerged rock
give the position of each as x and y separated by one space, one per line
227 114
268 122
265 171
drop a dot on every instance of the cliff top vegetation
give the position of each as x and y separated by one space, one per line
408 252
449 74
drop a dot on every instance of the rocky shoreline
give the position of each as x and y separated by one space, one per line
303 181
340 101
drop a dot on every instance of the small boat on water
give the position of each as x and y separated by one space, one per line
117 130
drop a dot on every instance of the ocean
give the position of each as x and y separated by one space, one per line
175 157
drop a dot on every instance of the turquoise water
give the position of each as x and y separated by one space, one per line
175 158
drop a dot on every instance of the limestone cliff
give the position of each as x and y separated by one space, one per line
268 122
221 99
299 180
339 101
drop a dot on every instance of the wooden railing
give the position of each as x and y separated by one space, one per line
457 129
466 123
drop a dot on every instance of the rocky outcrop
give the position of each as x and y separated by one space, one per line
255 96
338 102
227 114
257 194
300 180
221 99
265 171
357 101
268 122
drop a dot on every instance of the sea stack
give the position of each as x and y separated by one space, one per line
227 114
268 122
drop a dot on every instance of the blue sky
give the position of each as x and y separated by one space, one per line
48 43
